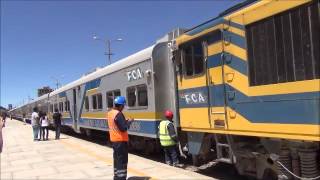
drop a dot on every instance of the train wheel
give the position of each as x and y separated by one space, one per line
195 160
88 133
269 175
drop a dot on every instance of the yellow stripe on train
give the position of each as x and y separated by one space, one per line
151 116
239 125
185 37
261 10
240 82
92 91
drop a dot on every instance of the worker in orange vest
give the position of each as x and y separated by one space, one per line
118 126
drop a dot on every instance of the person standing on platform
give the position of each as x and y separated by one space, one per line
57 121
4 117
35 123
168 139
44 126
1 138
24 118
118 131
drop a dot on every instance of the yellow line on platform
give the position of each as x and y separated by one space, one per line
101 158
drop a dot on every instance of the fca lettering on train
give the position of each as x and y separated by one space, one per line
194 98
134 74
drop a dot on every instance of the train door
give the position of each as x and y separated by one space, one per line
215 60
192 86
74 102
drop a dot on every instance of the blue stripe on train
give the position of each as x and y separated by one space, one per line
67 121
233 62
93 84
213 23
298 108
235 39
138 126
62 94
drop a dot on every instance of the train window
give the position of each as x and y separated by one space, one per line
51 108
64 106
111 95
188 61
137 95
117 93
142 95
86 103
60 106
110 99
193 58
284 47
99 98
94 101
198 58
67 106
131 94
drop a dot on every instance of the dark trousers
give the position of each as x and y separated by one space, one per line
120 160
170 155
42 133
58 130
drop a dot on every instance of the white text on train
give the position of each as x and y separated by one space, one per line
134 74
194 98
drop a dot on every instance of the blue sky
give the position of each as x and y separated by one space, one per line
43 40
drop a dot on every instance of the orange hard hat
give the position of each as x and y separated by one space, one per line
168 114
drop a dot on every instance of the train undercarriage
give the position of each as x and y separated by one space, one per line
255 157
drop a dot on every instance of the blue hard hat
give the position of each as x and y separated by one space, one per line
120 100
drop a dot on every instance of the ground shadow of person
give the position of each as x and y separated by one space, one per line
139 178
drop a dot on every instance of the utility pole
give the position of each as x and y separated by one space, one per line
107 42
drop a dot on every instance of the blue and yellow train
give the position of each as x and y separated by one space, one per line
245 88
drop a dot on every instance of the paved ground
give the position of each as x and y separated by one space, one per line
71 158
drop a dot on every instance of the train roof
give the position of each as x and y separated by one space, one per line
224 13
135 58
122 63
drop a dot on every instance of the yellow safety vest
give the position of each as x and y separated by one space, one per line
165 139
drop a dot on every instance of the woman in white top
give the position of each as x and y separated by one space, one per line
44 122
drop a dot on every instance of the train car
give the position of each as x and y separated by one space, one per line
248 88
145 78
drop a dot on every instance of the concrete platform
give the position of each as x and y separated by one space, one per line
71 158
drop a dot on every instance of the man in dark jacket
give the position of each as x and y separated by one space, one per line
57 121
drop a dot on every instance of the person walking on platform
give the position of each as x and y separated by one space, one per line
44 126
168 139
57 121
35 123
118 127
